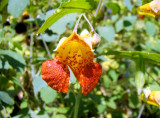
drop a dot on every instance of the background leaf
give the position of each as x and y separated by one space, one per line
48 95
109 30
16 7
5 97
150 28
15 59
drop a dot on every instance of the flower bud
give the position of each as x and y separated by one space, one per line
96 39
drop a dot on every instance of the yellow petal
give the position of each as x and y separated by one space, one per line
149 9
75 52
151 98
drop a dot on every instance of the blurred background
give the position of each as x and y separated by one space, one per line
23 93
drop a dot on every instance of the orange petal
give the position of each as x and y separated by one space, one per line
89 77
74 52
56 75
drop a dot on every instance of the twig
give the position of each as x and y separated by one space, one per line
141 111
46 47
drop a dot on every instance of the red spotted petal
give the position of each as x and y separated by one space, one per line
89 77
56 75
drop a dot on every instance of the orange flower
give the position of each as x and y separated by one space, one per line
150 9
151 97
76 53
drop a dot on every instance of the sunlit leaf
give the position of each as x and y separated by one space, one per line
140 81
134 55
72 6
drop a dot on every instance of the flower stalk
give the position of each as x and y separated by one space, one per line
78 99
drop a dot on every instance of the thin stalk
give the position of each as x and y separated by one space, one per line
46 47
78 99
98 8
77 23
153 78
141 111
31 55
92 29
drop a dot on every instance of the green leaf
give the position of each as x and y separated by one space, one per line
140 65
146 1
128 4
72 6
59 116
119 25
38 83
3 4
60 26
16 7
4 96
47 38
113 75
15 59
140 81
129 22
133 100
101 108
111 103
138 2
134 55
150 28
114 7
48 95
109 30
62 109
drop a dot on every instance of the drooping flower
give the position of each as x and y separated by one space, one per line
150 9
151 97
75 52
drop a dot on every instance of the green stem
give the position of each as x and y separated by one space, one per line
153 78
77 23
78 99
98 8
46 47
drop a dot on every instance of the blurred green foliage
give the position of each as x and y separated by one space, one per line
128 45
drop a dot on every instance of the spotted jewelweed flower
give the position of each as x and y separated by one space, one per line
151 97
150 9
74 52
